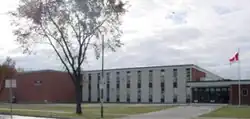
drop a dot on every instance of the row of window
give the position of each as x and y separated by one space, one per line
128 78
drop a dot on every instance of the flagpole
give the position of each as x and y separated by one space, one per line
239 78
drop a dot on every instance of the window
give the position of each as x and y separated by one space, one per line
117 80
108 77
175 85
128 79
188 77
150 85
150 76
117 86
244 92
162 75
138 85
139 76
118 77
162 85
98 86
89 86
138 95
150 94
38 83
150 98
117 99
162 98
175 72
108 86
128 95
175 98
128 85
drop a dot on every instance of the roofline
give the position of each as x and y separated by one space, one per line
243 80
37 71
141 67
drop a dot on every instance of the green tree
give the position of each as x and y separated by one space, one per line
7 69
70 28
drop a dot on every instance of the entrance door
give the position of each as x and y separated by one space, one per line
210 95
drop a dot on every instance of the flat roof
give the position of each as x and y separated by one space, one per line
216 83
141 67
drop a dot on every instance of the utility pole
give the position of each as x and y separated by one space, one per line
102 79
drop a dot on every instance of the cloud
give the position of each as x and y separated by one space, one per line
206 33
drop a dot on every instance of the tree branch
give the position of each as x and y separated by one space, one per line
58 54
64 41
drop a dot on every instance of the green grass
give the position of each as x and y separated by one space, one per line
88 111
230 112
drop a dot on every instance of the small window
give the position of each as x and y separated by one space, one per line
38 83
150 85
175 85
244 92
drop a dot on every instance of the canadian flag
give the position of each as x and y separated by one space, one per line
235 58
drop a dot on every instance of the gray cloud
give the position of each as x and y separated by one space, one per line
203 36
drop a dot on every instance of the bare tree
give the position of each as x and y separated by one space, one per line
70 28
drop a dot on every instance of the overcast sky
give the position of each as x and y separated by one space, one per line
162 32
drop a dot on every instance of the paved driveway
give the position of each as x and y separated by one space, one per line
181 112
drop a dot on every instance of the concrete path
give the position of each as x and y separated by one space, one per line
181 112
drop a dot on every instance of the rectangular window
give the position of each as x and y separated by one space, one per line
175 85
117 86
162 98
138 95
150 85
117 80
117 99
138 85
150 76
108 78
98 86
162 85
150 94
139 76
89 85
108 86
175 76
175 98
175 72
188 76
128 95
162 75
128 85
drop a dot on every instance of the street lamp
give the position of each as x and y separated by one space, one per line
102 79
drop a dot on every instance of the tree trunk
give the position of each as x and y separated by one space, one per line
78 96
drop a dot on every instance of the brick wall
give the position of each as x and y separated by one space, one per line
197 75
53 86
234 97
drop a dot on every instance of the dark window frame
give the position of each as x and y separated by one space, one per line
244 90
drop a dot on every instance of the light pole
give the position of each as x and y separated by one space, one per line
102 79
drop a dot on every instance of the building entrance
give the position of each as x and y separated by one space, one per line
210 95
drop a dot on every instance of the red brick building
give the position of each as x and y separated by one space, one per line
38 86
234 94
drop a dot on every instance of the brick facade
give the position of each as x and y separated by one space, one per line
53 86
234 94
197 75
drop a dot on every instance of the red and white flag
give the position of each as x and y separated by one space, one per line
235 58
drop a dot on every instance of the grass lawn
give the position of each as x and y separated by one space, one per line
230 112
68 111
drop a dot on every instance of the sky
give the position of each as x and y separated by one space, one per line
161 32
